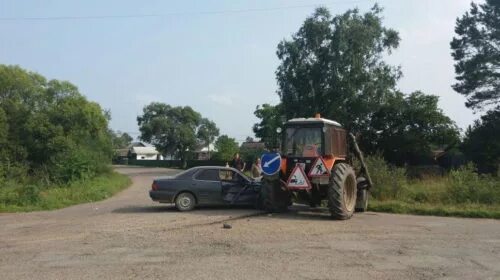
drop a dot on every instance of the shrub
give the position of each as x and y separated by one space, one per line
389 181
467 186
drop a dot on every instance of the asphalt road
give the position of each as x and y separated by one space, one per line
130 237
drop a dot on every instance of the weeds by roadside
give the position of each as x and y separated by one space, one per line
461 192
15 197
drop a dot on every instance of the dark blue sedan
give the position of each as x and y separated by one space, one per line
207 185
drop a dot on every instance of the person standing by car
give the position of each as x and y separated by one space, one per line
238 163
256 169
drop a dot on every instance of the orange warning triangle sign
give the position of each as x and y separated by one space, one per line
319 168
298 179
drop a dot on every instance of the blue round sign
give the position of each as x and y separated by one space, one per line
271 163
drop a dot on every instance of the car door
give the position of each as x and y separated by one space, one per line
207 186
235 188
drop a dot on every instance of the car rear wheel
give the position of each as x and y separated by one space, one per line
185 201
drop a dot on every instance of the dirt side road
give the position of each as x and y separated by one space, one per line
130 237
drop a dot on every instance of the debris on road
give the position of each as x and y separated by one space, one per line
226 226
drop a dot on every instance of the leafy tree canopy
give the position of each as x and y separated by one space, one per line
407 128
226 147
334 66
120 139
174 130
482 142
207 132
49 128
476 50
270 120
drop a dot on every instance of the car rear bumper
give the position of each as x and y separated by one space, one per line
162 196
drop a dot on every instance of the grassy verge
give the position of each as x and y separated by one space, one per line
461 193
459 210
14 198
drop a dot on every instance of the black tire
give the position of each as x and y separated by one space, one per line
362 195
342 191
272 198
185 202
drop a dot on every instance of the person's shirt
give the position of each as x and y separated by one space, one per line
256 170
237 163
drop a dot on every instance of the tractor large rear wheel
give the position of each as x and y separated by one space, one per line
272 198
342 191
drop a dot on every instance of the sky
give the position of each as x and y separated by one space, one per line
219 57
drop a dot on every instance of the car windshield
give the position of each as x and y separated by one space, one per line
303 142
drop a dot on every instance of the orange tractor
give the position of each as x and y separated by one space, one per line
316 164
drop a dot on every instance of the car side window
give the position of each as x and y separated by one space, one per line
229 175
208 175
226 175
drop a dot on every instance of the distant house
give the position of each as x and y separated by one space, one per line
253 145
138 151
144 153
204 153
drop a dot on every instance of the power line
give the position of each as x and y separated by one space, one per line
221 12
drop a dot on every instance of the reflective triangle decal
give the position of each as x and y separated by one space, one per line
298 179
319 168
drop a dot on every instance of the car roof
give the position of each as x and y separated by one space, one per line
213 167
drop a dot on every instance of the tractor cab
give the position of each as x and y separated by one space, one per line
306 139
313 137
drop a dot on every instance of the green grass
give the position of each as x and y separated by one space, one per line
469 210
14 198
461 193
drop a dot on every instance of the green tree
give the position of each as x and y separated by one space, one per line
407 128
270 120
334 66
250 154
172 130
482 142
207 132
476 50
226 147
49 129
120 139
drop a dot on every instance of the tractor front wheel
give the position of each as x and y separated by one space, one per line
272 198
342 191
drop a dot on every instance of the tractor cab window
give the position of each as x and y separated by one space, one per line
303 142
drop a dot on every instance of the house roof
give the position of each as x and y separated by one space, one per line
136 144
253 145
205 149
144 150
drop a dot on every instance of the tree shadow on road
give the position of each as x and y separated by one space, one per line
170 208
145 209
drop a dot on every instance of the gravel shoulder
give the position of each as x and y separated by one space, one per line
130 237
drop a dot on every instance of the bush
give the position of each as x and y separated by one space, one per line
78 163
16 197
467 186
389 181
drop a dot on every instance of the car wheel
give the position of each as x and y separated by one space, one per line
185 202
